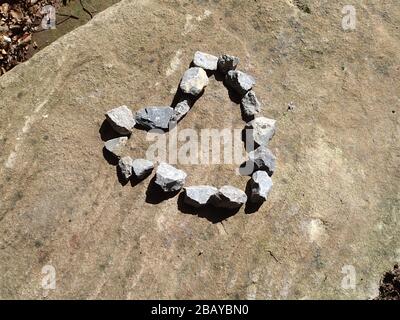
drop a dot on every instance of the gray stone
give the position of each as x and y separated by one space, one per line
239 81
142 167
198 196
250 104
194 81
180 110
116 146
169 178
229 197
227 63
260 131
205 61
125 165
260 186
121 119
261 159
155 117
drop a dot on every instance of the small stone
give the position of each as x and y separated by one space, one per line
155 117
125 165
227 63
169 178
239 81
229 197
250 104
194 81
260 186
180 110
121 119
142 168
116 146
260 131
261 159
198 196
205 61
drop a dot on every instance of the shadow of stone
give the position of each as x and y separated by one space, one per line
121 179
107 132
209 212
251 207
155 195
135 180
245 117
110 157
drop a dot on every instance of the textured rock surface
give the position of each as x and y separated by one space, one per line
155 117
261 159
335 199
198 196
250 104
180 110
239 81
227 62
261 185
205 61
229 197
169 178
116 146
121 119
142 167
194 81
260 130
125 165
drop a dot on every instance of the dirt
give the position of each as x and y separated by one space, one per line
329 229
390 285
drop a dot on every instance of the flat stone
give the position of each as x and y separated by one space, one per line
125 165
229 197
121 119
194 81
116 146
261 159
155 117
250 104
260 131
227 63
260 186
198 196
142 168
205 61
239 81
169 178
180 110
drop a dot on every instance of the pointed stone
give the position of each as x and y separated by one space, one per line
261 159
198 196
239 81
180 110
194 81
155 117
169 178
229 197
141 168
227 63
260 131
205 61
260 185
121 119
250 104
125 165
116 146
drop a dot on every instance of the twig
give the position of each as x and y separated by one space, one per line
86 10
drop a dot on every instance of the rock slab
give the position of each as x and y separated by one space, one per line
155 117
198 196
169 178
205 61
121 119
194 81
